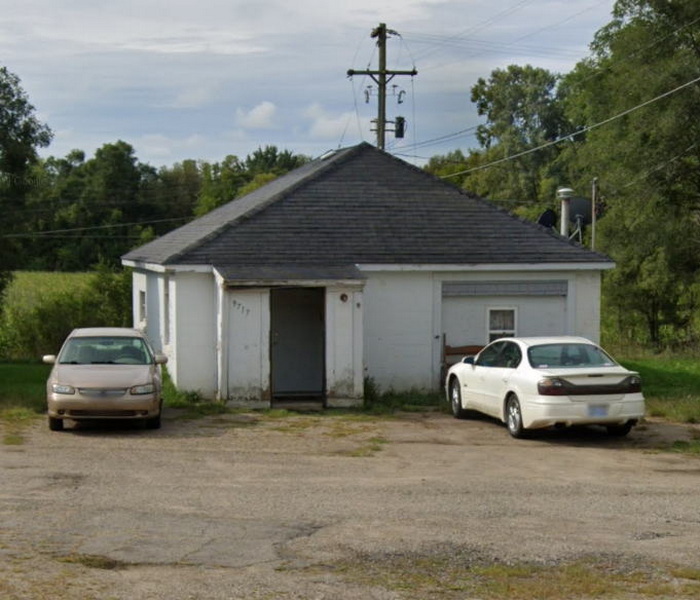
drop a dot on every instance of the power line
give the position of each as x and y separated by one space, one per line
91 228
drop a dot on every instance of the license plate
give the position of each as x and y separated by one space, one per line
597 410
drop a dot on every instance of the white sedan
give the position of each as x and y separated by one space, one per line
537 382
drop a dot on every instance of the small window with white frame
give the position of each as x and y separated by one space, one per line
502 322
142 306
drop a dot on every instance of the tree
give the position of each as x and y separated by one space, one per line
648 160
21 134
271 160
222 182
523 111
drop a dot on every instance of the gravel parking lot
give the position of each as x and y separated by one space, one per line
310 506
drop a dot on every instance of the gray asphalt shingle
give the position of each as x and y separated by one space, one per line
358 206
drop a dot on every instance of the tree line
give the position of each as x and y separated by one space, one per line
78 212
626 115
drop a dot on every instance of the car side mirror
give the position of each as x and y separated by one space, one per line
468 360
49 359
161 359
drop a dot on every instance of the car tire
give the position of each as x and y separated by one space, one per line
620 430
514 417
456 400
55 424
153 422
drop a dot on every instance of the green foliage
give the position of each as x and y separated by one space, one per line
88 211
175 398
378 402
23 387
671 385
523 111
564 130
21 135
27 331
220 184
648 162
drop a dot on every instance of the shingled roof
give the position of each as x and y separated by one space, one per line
356 206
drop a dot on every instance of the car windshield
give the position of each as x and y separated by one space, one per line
105 350
554 356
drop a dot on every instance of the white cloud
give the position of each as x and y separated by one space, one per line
259 117
132 70
193 96
165 147
325 126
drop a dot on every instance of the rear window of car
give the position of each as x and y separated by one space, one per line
105 350
548 356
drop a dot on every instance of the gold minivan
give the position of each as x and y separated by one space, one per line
105 373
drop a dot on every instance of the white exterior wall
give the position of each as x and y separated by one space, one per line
585 291
399 330
406 316
149 284
344 351
218 339
247 327
465 319
192 351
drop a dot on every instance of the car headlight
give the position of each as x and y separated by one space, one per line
147 388
59 388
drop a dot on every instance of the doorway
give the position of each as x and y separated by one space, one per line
297 344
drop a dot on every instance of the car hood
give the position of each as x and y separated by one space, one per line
104 376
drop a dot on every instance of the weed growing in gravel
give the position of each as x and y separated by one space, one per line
459 573
15 420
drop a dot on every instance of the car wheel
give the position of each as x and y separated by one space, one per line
153 422
514 417
620 430
55 424
456 400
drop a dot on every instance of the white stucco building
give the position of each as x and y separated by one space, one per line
355 265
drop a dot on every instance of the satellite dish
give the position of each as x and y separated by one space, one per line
580 211
547 219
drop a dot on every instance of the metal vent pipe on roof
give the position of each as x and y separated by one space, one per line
564 194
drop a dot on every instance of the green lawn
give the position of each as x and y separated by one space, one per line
23 386
671 386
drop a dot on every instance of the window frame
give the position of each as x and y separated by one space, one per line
493 333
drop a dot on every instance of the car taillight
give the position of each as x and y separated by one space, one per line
551 386
634 384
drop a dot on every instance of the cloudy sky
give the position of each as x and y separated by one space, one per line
182 79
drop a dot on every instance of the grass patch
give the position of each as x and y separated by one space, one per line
23 385
685 447
671 386
175 398
457 573
379 403
22 398
369 448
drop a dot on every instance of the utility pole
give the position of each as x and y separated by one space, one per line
381 77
